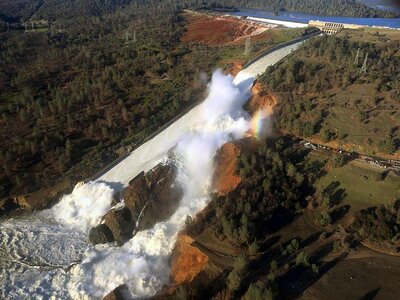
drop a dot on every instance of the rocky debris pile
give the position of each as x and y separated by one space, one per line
150 198
26 202
39 200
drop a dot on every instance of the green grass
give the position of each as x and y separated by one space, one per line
363 135
230 54
361 186
271 38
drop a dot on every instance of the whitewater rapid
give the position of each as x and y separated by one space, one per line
47 255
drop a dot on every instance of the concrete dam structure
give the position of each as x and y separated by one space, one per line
331 27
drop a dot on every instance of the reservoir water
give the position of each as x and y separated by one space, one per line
305 18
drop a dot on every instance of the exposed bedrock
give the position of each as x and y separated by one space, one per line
150 198
119 293
101 234
120 223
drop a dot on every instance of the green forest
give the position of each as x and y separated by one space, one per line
82 81
74 95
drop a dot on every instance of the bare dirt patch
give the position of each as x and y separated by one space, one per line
261 100
225 177
187 261
218 30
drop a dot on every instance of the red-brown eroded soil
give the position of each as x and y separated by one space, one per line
187 261
225 177
218 30
261 100
234 68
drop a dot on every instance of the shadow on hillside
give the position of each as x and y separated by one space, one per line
371 294
298 279
310 239
339 212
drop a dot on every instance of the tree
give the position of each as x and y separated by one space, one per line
241 262
234 280
388 145
315 269
255 292
188 221
338 160
291 170
244 234
274 265
327 135
324 219
236 275
302 259
254 248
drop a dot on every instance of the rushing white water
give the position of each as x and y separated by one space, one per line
47 255
84 207
142 262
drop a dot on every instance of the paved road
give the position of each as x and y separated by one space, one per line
373 161
149 154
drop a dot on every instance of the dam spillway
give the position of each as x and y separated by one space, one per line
47 254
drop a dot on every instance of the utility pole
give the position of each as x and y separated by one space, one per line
356 59
247 47
364 66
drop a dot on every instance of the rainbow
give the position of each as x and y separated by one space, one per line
257 122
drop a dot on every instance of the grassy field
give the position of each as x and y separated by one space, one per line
260 44
360 133
375 35
365 185
361 186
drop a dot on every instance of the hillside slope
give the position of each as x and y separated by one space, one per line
333 100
